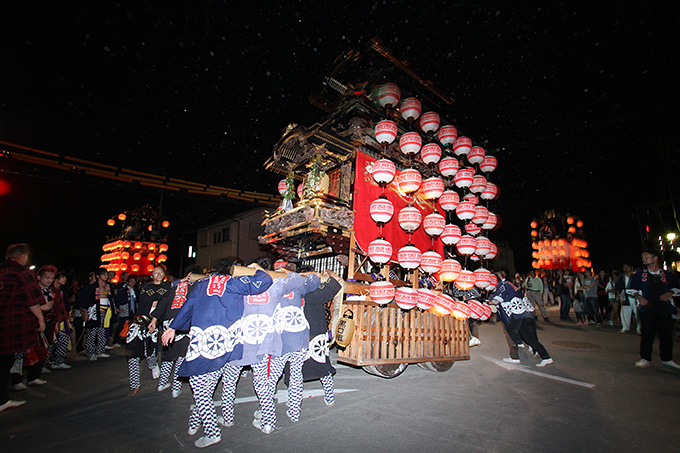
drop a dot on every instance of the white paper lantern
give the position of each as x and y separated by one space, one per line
466 280
431 153
464 177
409 180
447 135
429 122
380 251
406 298
448 166
431 262
472 229
483 246
476 155
450 270
432 188
482 278
434 224
481 215
389 95
449 200
409 218
462 146
444 304
409 257
465 210
384 171
411 108
426 298
467 245
491 222
410 143
489 164
490 192
381 210
382 292
451 234
385 131
478 184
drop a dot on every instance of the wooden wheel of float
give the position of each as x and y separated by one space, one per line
387 371
439 366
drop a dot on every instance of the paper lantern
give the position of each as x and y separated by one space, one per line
472 228
478 184
410 143
434 224
489 164
138 245
466 280
444 304
162 258
137 256
150 257
151 246
449 200
465 210
409 180
125 255
467 245
123 267
447 134
426 298
464 177
280 264
165 224
380 251
429 122
432 188
409 257
460 310
406 298
490 192
431 262
431 153
134 268
122 217
283 187
163 248
491 222
482 278
481 215
383 171
385 131
409 218
462 146
570 220
451 234
300 191
472 198
493 283
493 251
110 222
450 270
382 292
150 228
476 309
389 95
150 267
483 246
411 108
448 166
579 223
476 155
381 210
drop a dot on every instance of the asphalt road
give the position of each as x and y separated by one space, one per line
591 399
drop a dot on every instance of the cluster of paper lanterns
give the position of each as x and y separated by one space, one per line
553 252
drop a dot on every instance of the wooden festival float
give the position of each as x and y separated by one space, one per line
558 242
382 149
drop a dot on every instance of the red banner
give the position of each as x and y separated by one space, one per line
366 230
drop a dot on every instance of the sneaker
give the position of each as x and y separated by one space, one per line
192 431
642 363
623 331
510 360
103 355
93 358
45 370
176 393
545 362
62 366
520 345
10 404
267 429
20 386
474 341
163 387
222 422
37 382
206 441
155 373
671 364
108 348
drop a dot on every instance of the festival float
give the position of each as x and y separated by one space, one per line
138 243
386 181
558 242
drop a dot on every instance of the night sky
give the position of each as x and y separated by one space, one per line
577 100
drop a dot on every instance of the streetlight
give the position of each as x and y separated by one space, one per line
671 236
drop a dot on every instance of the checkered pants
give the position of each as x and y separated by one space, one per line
229 381
328 389
59 348
265 377
133 368
203 387
296 359
95 341
166 369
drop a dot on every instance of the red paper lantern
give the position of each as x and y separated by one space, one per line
493 251
449 200
482 278
490 192
150 257
410 218
465 210
466 280
467 245
409 257
406 298
431 262
137 256
149 268
451 234
472 198
447 134
125 255
381 210
135 268
410 143
448 166
409 180
389 95
411 108
461 310
163 248
493 283
434 224
481 215
385 131
483 246
476 155
283 186
462 146
162 258
570 220
431 153
444 304
476 309
165 224
489 164
491 222
464 177
432 188
299 191
122 217
110 222
380 251
533 224
384 171
472 228
426 298
280 264
478 184
450 270
382 292
429 122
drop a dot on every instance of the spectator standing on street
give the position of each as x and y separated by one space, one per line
628 302
613 301
20 315
654 288
603 300
78 318
534 288
562 292
592 305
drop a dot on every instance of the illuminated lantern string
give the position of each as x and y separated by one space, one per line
447 135
462 146
429 122
411 108
389 95
122 217
110 222
165 224
382 292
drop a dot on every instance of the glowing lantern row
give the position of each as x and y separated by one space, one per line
410 143
385 131
434 224
410 218
389 95
466 280
462 146
447 135
448 166
464 177
432 188
429 122
476 155
381 210
382 292
411 109
409 180
380 251
406 298
409 257
449 200
450 270
431 153
431 262
451 234
384 171
426 298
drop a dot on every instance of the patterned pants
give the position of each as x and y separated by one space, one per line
203 387
96 341
265 376
328 389
59 348
166 369
133 367
296 359
229 380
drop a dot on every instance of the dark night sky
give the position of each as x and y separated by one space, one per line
576 99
